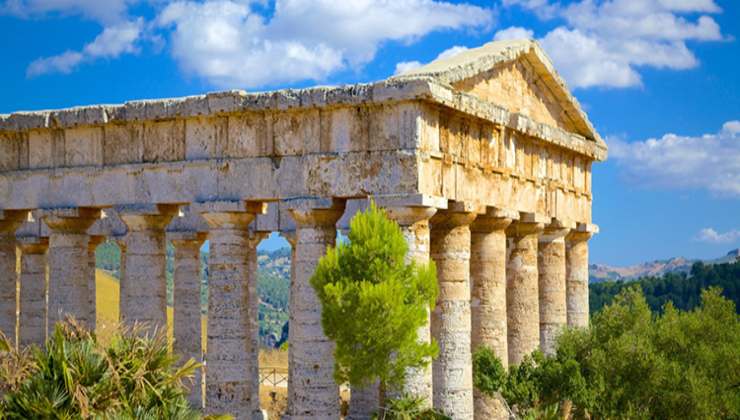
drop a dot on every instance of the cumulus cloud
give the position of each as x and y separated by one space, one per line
606 43
406 66
513 32
712 236
231 44
115 40
709 162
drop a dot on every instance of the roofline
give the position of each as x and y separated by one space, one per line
236 101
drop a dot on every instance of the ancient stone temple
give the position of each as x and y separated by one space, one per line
484 159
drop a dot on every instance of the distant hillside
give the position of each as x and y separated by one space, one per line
601 272
273 285
680 288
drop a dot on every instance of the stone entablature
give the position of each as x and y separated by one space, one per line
483 159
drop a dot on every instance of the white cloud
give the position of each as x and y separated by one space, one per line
513 32
712 236
230 44
115 40
606 43
104 11
406 66
709 162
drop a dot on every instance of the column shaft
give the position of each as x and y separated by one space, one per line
551 267
144 270
451 325
312 392
32 317
187 312
68 260
577 278
92 245
488 303
414 223
232 380
8 278
522 296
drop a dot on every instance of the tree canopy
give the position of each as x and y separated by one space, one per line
633 363
374 302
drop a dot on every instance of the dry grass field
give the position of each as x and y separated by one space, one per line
273 399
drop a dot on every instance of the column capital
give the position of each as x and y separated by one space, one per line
528 224
237 214
582 232
10 220
410 200
556 230
458 213
73 220
141 217
309 211
32 244
186 237
494 219
408 215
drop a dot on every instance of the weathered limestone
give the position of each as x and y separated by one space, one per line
144 296
32 310
9 222
232 383
488 303
413 217
551 272
491 128
522 298
576 255
312 392
186 295
451 326
92 245
68 261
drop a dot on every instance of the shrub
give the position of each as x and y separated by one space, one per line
632 363
134 376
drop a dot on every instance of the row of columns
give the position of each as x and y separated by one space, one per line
507 281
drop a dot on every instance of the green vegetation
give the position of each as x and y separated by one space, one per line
408 408
273 286
77 376
373 302
631 364
681 289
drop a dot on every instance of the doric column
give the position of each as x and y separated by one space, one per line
551 272
413 218
522 296
9 222
576 255
453 369
68 260
143 276
120 240
232 381
488 303
312 392
92 245
187 313
32 318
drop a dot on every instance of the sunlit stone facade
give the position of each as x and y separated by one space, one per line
484 159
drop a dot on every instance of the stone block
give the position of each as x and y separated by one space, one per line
164 141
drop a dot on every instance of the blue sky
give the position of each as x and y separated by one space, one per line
660 80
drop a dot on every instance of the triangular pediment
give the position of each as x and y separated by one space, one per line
516 75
